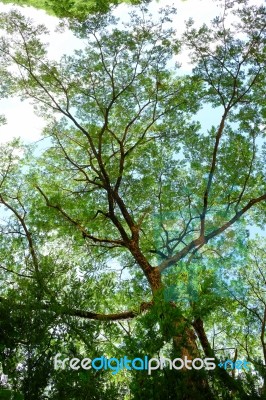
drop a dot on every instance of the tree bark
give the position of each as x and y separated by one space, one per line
194 382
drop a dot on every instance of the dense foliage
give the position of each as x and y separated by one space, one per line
128 232
71 8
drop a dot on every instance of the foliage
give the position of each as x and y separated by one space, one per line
129 233
72 8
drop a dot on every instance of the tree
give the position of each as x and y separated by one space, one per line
129 175
71 9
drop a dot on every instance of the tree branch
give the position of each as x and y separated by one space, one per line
58 309
204 239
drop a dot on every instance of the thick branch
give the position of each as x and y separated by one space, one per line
84 314
84 232
224 377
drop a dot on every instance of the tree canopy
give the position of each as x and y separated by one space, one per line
72 8
129 233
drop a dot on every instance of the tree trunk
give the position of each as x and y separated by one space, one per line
225 380
194 383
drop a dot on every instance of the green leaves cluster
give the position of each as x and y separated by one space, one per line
72 8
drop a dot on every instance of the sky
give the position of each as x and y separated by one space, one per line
21 120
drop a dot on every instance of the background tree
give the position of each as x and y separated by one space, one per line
72 9
129 176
